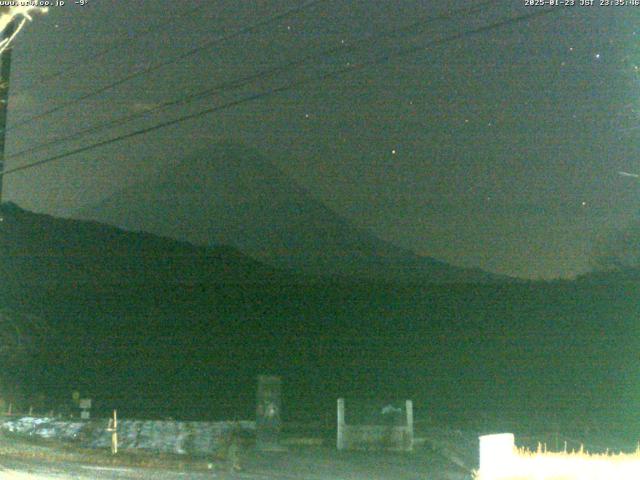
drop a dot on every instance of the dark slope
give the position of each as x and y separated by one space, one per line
39 250
230 195
155 327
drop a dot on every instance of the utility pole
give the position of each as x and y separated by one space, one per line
5 77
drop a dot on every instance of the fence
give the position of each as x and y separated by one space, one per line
159 436
375 437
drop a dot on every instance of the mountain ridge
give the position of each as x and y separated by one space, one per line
39 249
231 195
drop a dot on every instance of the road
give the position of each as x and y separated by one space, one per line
300 464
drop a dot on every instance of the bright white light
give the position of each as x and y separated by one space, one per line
8 14
501 460
627 174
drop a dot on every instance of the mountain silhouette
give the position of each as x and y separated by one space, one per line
40 250
231 195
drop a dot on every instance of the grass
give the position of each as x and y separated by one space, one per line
525 464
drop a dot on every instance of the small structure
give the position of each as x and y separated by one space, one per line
376 437
85 408
497 452
268 412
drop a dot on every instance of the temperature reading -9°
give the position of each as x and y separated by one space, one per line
82 3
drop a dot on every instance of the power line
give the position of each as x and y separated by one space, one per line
158 66
283 88
218 88
280 89
116 46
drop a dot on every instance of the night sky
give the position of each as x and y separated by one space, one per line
499 149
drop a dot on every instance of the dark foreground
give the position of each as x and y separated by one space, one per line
439 454
301 463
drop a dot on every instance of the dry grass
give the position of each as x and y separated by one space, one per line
578 465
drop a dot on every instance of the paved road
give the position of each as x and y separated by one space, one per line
27 470
295 464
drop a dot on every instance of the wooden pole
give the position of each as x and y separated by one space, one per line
5 76
113 428
114 435
340 425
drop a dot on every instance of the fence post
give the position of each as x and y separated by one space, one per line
341 425
409 410
113 428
